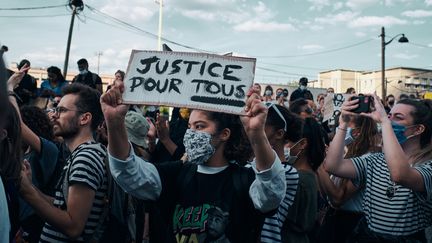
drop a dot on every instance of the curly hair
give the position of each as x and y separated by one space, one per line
237 147
10 147
38 121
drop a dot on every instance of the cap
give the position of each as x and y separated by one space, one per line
137 128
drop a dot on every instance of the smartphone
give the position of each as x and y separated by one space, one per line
364 104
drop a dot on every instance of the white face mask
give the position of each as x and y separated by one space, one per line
83 72
287 153
348 137
302 87
291 159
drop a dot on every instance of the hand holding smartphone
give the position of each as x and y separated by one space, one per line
364 104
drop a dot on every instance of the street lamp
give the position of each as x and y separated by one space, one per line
403 39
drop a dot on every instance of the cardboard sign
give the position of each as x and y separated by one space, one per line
193 80
332 106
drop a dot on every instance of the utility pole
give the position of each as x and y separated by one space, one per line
402 39
160 24
76 6
98 54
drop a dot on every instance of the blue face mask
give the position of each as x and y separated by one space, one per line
399 131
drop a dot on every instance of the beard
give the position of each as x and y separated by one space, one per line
68 130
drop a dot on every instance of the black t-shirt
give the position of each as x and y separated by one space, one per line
89 79
298 93
198 207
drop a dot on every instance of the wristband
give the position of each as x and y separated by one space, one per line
343 129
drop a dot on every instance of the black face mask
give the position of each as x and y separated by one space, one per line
391 102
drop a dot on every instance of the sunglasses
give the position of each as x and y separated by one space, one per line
270 105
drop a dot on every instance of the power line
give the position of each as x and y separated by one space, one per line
321 52
282 72
144 31
419 45
33 16
284 65
34 8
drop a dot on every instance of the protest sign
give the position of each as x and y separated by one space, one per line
332 106
193 80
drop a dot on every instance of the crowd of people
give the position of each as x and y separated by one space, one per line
85 167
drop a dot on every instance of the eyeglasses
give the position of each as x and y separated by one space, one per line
60 109
269 105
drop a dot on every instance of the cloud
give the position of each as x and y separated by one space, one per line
318 5
428 2
430 45
337 6
417 13
315 27
396 2
366 21
360 34
135 10
419 22
253 25
311 47
360 4
336 18
405 56
262 21
199 14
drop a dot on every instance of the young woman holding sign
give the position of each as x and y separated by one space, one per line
210 197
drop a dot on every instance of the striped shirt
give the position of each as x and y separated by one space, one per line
407 212
87 167
272 227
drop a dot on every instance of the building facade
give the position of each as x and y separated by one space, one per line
400 80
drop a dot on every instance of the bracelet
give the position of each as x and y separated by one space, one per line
343 129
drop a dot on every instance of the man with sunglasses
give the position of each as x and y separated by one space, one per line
74 213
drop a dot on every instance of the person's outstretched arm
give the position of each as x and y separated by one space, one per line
269 187
132 173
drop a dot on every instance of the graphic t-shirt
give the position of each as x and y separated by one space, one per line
207 207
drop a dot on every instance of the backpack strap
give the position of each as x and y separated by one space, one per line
99 230
97 233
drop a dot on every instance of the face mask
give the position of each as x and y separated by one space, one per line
302 87
348 137
83 72
198 147
291 159
287 152
399 131
391 102
268 92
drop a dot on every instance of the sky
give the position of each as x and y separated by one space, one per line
288 38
